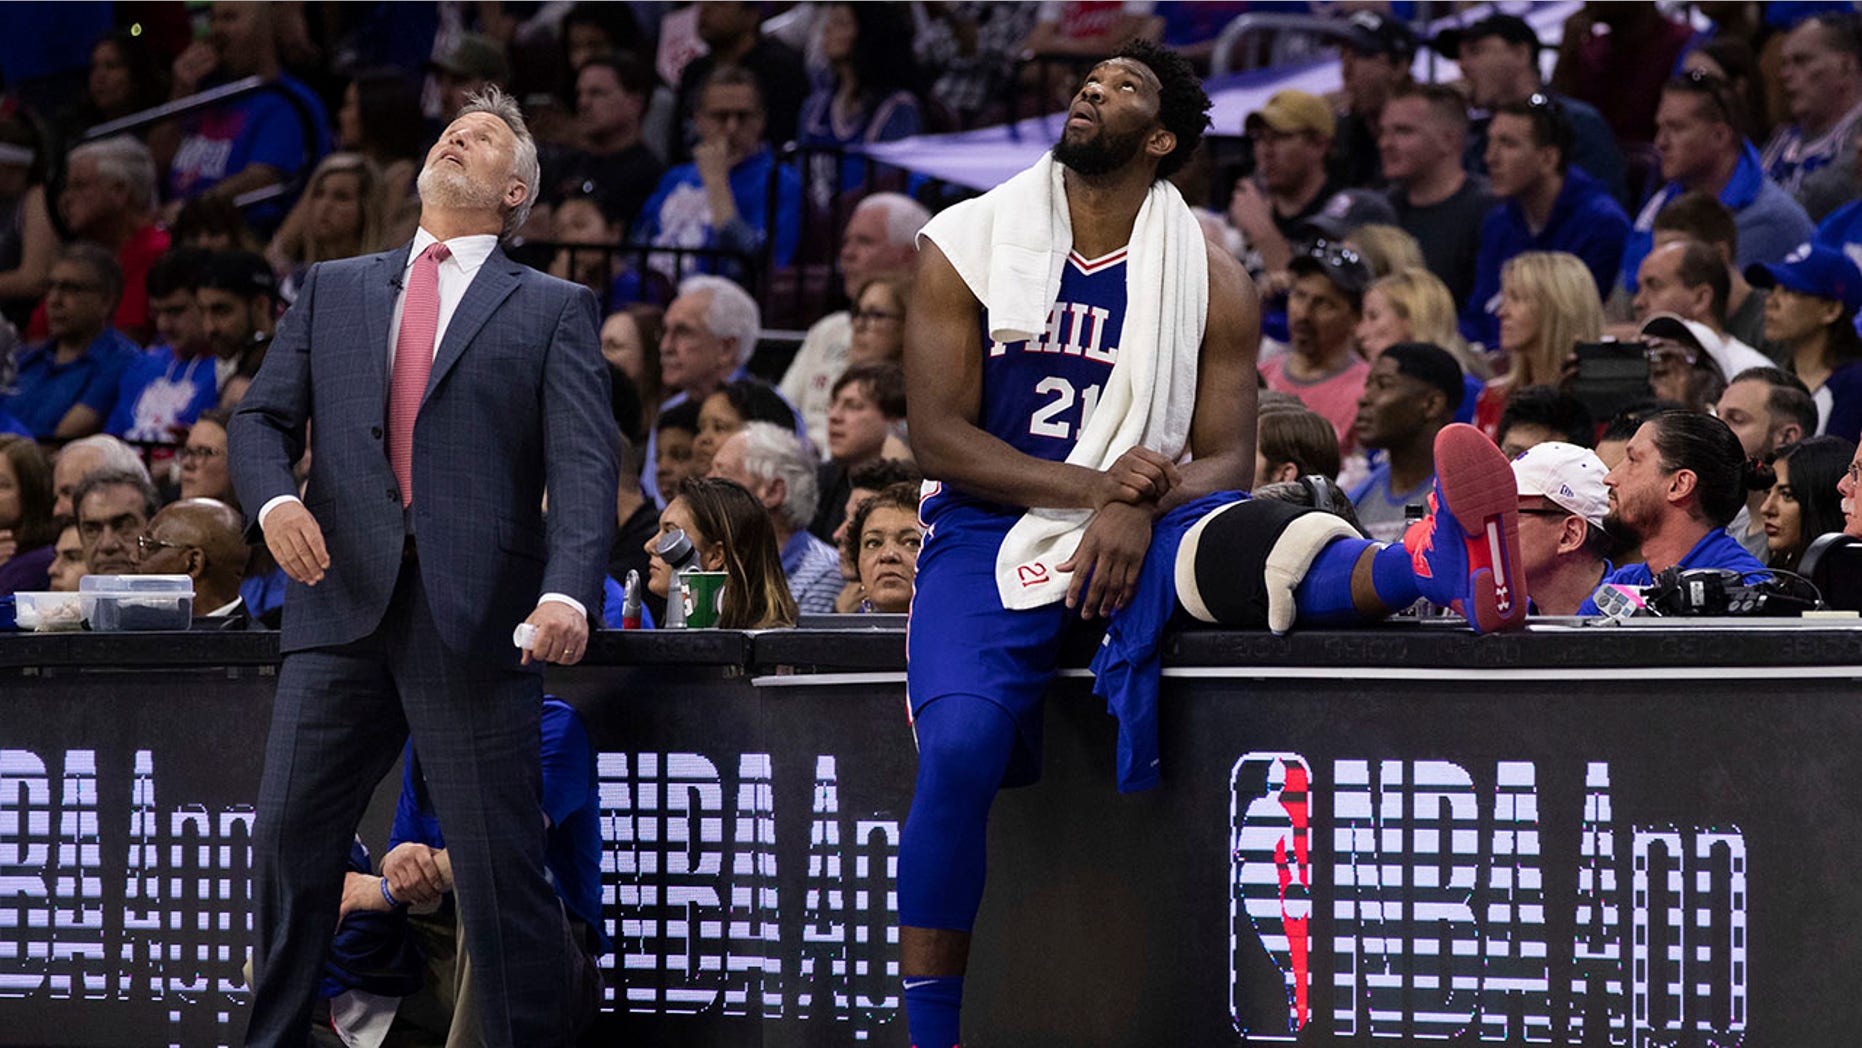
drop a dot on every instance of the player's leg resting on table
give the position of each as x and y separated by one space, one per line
1264 563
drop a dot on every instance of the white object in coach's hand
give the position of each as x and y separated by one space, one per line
524 636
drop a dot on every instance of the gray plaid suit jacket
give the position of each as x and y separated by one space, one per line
517 402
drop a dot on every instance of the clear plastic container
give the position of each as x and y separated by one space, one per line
44 612
137 602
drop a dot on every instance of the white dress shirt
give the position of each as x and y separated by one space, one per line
455 275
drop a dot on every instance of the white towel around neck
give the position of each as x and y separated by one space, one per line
1010 247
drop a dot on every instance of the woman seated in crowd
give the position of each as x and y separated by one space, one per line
380 118
630 345
123 79
868 96
1413 305
868 410
726 411
203 458
1811 313
1803 502
1386 249
867 481
882 540
731 532
27 527
587 237
1548 304
879 314
339 216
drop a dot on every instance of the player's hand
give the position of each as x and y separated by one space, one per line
562 634
9 544
1139 476
1106 564
361 892
296 542
415 874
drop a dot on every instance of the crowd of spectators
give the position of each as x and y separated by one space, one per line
1673 193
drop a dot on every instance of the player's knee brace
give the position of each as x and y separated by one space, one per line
1239 565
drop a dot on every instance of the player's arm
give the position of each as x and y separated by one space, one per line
944 371
1222 430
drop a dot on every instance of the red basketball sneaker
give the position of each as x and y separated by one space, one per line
1466 551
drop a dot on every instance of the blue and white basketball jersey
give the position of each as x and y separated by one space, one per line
1038 394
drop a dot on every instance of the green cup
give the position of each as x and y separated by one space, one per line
703 595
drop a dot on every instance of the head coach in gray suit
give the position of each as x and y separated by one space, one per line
442 388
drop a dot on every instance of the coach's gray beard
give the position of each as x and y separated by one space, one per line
456 190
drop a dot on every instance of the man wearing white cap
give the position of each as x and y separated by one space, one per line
1689 363
1562 503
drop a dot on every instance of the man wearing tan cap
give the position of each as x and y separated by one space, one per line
1562 504
1292 136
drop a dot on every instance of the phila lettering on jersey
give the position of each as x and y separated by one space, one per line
1038 394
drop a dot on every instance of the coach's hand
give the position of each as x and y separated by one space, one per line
1140 475
562 635
1110 554
415 874
296 542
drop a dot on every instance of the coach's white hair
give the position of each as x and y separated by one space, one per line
730 312
774 453
524 166
904 216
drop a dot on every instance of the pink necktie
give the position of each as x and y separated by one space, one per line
413 362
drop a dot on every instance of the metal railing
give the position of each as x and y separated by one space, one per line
1270 39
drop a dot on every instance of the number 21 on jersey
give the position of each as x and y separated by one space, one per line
1055 417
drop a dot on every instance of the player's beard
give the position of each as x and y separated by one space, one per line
456 190
1101 154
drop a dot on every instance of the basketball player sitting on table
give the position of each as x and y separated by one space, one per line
1083 395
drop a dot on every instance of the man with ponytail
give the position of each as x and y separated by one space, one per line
1683 478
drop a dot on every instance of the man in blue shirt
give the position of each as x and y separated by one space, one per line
417 879
1414 389
1682 480
1546 204
721 199
67 385
257 141
164 390
1499 58
1702 150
